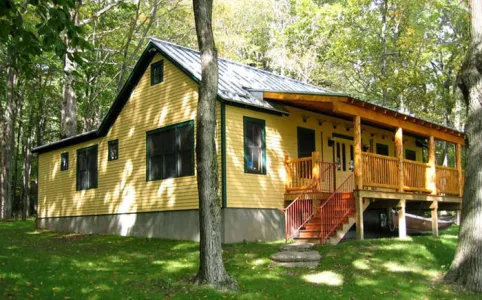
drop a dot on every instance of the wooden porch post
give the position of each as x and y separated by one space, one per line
458 217
434 212
458 162
288 173
431 174
402 222
357 145
315 169
360 231
399 155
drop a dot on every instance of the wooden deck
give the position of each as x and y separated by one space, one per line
312 192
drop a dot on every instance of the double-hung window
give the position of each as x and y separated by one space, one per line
170 151
254 146
87 168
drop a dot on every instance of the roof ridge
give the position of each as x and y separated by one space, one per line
243 65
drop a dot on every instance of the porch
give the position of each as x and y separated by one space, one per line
320 206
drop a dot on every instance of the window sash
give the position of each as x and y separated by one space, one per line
254 146
113 150
64 161
157 72
170 152
87 165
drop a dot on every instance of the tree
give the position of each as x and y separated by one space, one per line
466 268
211 268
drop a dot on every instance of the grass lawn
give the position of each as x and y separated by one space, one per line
46 265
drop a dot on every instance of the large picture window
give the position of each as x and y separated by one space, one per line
254 146
87 168
170 151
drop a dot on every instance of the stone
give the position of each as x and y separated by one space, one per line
297 247
300 264
295 256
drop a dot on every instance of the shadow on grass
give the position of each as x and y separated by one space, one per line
44 265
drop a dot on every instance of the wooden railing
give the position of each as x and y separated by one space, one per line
337 208
309 173
446 180
415 175
382 171
299 173
379 171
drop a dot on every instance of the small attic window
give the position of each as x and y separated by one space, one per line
157 72
64 161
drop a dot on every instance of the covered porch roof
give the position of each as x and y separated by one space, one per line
345 106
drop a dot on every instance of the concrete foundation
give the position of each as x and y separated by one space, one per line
252 224
238 224
175 225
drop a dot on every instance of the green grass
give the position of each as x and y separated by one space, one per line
46 265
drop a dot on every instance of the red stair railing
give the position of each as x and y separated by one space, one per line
297 214
337 208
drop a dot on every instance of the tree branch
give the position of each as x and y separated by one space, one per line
100 13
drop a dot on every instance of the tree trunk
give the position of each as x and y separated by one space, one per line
211 268
26 171
68 112
7 142
384 11
466 268
16 146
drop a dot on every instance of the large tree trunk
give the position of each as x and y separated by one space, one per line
466 268
68 112
211 268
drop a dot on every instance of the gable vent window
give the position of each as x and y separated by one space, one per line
157 72
87 168
64 161
254 146
170 151
113 150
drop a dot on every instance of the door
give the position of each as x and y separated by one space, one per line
306 142
344 159
306 145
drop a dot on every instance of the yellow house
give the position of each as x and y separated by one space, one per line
295 160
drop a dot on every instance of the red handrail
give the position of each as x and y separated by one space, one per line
336 208
297 214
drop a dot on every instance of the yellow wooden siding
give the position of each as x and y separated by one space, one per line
267 191
122 185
